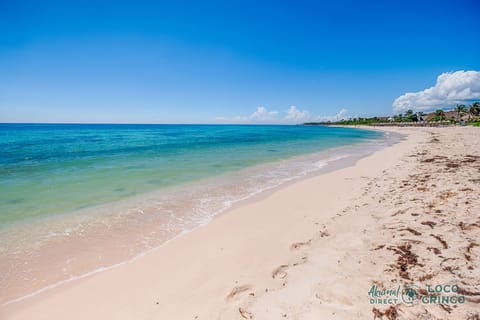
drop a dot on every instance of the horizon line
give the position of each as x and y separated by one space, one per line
157 123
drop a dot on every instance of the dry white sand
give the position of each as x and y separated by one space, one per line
312 250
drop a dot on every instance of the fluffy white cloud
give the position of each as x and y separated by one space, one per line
295 115
342 114
262 114
451 88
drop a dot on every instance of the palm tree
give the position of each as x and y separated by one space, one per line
410 116
474 109
461 109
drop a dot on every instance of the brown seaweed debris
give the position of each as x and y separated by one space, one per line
471 245
470 226
435 250
447 194
429 223
413 231
434 158
391 313
473 316
470 158
466 292
377 313
398 212
452 164
406 258
446 308
450 269
427 276
443 242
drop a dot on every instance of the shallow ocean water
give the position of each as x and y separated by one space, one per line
80 198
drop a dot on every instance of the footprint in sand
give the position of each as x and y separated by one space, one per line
300 245
326 296
324 233
280 272
302 260
236 291
245 314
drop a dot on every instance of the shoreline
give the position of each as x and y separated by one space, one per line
255 198
266 258
332 159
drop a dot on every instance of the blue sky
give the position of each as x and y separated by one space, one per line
222 61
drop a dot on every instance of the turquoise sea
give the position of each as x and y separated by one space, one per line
49 169
105 193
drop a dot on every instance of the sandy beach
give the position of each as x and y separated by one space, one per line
407 214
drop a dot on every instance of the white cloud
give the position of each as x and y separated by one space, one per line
295 115
342 114
451 88
262 115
